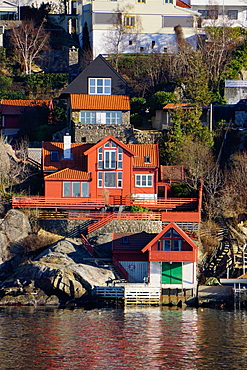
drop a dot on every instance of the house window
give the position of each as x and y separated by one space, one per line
142 49
66 189
172 241
76 189
125 240
88 117
130 42
168 1
85 189
209 14
119 180
203 13
141 1
113 118
144 180
100 180
232 14
129 21
153 44
99 86
110 179
147 159
98 117
54 156
110 157
100 158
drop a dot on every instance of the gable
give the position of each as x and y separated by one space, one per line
164 231
99 67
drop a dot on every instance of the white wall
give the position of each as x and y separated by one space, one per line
137 270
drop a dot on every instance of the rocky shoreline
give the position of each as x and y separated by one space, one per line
60 274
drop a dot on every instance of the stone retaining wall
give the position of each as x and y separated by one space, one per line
65 227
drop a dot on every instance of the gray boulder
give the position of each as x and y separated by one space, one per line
60 271
15 225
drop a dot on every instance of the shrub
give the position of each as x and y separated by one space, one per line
180 190
136 208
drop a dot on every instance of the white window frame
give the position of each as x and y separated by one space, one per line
112 162
88 117
94 86
113 117
71 185
142 180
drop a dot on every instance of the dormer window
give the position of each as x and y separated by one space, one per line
99 86
147 159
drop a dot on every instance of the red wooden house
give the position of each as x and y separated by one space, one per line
108 169
168 259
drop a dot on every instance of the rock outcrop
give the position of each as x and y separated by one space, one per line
60 271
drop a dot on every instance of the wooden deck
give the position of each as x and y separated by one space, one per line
39 202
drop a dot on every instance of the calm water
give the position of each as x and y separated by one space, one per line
147 338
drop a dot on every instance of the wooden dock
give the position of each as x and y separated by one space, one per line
130 294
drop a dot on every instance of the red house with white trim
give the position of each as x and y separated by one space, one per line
168 259
103 170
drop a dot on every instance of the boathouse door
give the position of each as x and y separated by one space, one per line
171 273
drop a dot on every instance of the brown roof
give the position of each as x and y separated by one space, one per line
136 241
100 102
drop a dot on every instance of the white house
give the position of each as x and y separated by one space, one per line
130 26
221 12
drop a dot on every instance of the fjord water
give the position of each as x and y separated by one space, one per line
132 338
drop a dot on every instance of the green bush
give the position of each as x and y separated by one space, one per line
136 208
180 190
46 81
159 99
137 105
136 119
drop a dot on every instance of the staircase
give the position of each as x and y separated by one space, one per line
78 230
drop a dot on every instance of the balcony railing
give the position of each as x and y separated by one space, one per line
173 256
170 204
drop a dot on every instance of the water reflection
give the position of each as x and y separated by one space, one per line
134 338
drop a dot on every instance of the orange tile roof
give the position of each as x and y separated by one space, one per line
78 159
70 174
25 103
145 150
100 102
176 105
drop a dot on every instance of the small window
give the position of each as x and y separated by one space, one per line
232 14
203 13
142 49
168 1
99 86
129 21
54 156
125 240
165 50
147 159
130 42
66 189
141 1
153 44
75 189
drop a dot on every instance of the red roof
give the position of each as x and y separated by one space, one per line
182 4
16 107
164 231
100 102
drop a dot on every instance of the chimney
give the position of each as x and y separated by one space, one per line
67 147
